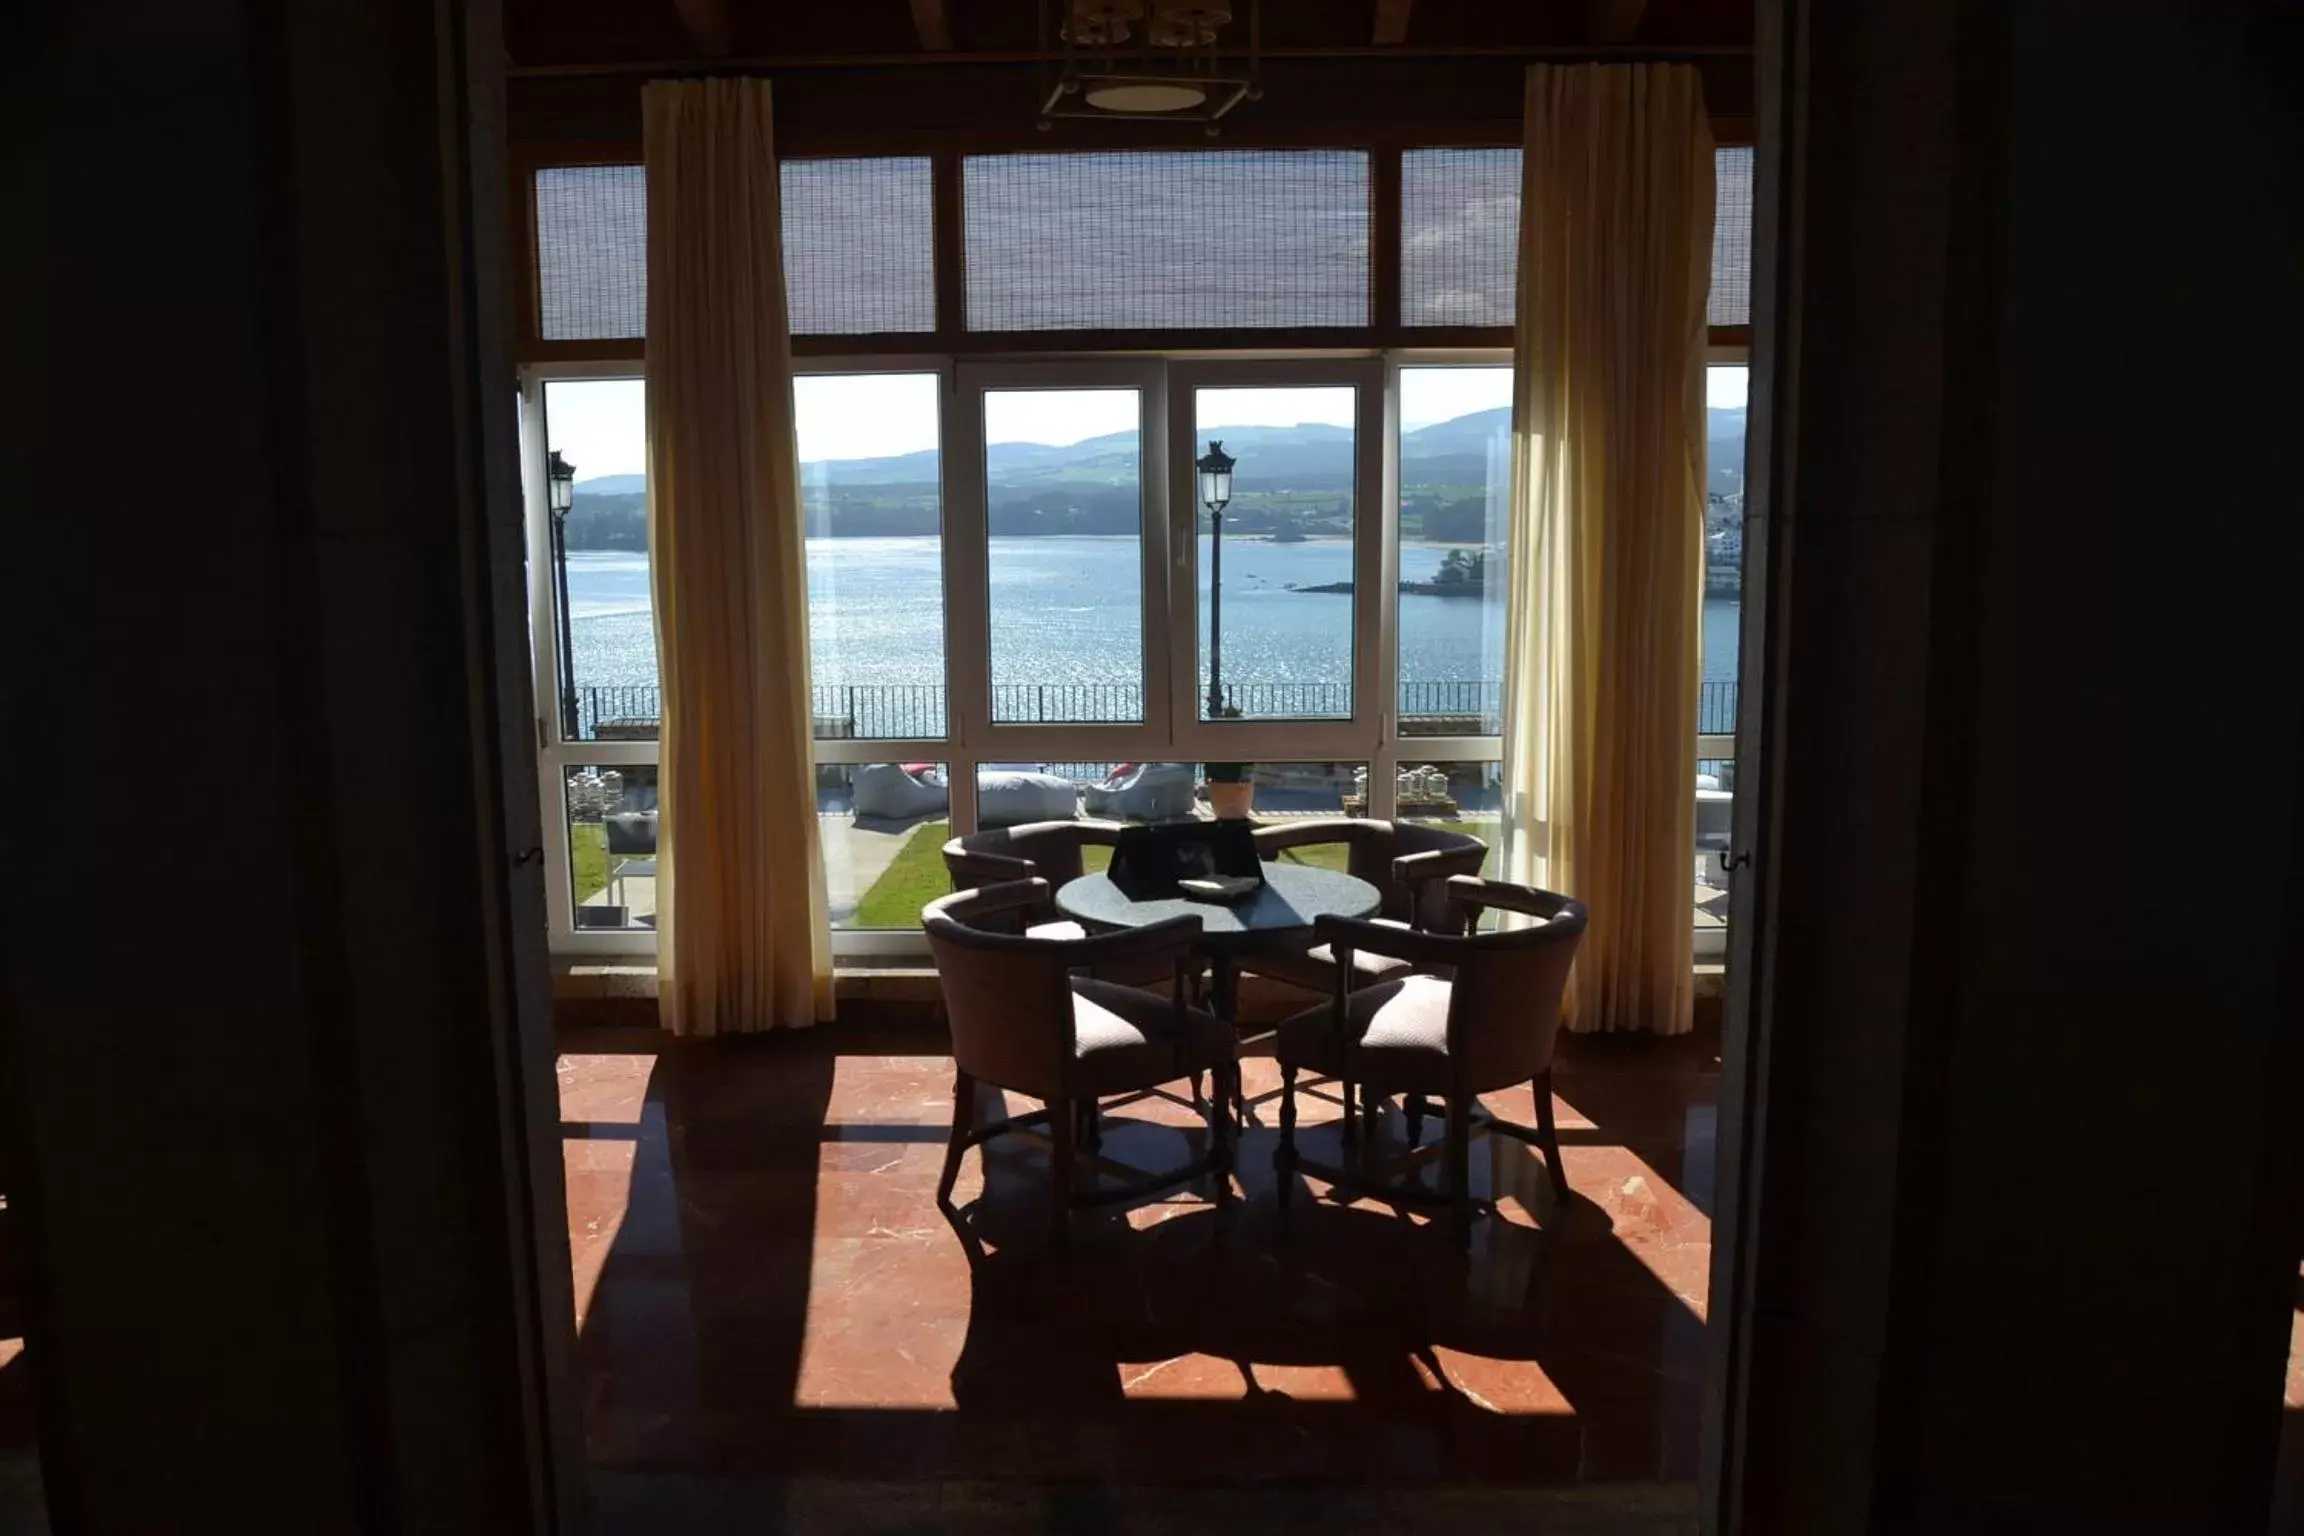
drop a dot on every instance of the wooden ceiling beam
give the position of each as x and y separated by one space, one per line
1614 21
706 23
935 29
1392 22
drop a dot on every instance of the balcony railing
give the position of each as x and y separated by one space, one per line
915 711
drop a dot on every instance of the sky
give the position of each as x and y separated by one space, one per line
599 426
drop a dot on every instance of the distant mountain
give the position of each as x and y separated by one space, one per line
1289 479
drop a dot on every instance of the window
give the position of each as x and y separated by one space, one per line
1126 241
1460 236
611 811
1732 236
1725 386
1455 475
600 427
1278 600
1064 521
859 248
1045 646
872 502
883 828
591 252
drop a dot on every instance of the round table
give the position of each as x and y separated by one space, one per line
1292 898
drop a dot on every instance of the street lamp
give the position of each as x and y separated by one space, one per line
1215 494
560 495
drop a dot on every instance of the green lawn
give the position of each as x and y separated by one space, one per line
587 858
917 876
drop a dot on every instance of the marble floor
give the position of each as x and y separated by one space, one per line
767 1289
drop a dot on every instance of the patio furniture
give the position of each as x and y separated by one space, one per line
1277 918
1275 921
1045 850
631 838
1406 861
1491 1026
1143 792
1025 1021
1005 797
887 789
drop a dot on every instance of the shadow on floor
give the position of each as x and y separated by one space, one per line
776 1304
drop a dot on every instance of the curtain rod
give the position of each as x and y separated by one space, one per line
1598 52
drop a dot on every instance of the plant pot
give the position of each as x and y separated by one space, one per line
1232 802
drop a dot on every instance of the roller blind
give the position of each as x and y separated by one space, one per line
1460 232
859 248
1232 239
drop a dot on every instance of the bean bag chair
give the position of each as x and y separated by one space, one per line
1006 797
885 789
1143 792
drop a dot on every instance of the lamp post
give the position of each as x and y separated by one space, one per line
560 491
1215 494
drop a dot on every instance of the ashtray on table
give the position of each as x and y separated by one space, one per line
1222 888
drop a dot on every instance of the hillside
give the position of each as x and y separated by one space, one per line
1296 479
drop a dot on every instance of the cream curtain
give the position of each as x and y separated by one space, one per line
742 940
1606 559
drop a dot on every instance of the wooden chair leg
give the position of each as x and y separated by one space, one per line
1413 1109
1351 1111
1548 1134
1218 1113
1061 1126
963 1121
1284 1156
1460 1168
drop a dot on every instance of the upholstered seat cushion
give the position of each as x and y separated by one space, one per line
1316 968
1124 1039
1066 929
1395 1037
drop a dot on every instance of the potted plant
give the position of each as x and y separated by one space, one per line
1231 786
1231 790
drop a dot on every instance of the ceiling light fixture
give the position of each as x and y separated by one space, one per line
1145 60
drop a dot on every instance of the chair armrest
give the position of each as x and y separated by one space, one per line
1415 873
1298 834
978 869
972 907
1341 934
1476 895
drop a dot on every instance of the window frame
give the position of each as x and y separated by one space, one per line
1357 737
969 499
556 753
1170 589
1711 944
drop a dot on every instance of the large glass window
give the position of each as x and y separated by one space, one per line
1064 523
1460 236
859 248
1126 241
1455 474
1725 387
599 427
1088 600
872 502
883 827
1277 569
611 827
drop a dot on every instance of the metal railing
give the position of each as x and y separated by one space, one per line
915 711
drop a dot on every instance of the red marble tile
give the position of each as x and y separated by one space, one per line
765 1281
